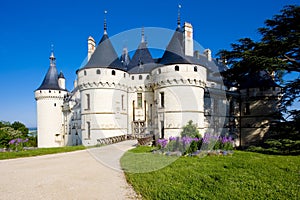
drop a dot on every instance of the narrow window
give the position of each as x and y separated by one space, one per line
195 69
88 130
139 99
247 109
49 91
122 102
132 77
87 101
113 72
124 75
148 77
54 104
98 71
140 77
84 72
162 99
159 71
176 68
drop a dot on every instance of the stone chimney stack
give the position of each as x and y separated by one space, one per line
188 39
207 53
91 46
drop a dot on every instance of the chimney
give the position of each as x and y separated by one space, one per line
91 46
188 39
196 54
207 53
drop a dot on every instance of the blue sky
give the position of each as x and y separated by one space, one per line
28 28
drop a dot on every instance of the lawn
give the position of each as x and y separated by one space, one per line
244 175
38 152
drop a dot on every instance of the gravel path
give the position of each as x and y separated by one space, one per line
87 174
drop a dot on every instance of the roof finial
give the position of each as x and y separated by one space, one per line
52 57
178 17
143 35
105 25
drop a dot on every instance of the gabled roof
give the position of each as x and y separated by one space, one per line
174 53
50 81
257 80
104 55
141 56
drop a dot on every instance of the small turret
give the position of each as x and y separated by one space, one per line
207 53
61 81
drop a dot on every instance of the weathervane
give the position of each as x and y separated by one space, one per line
105 25
178 17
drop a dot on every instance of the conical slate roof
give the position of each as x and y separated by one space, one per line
141 56
104 55
174 54
50 81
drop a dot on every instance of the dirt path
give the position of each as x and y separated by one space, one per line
76 175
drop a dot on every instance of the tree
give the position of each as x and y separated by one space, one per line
190 130
21 127
278 51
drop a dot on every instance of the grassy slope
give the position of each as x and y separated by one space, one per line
38 152
244 175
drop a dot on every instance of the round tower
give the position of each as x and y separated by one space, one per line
49 98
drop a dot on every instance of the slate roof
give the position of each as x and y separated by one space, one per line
50 81
257 80
104 56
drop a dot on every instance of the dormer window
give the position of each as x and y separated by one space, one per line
176 68
113 72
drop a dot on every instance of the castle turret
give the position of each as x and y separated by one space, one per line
61 81
49 97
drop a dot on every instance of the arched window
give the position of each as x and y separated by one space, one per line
132 77
148 77
98 71
176 68
195 69
113 72
140 77
84 72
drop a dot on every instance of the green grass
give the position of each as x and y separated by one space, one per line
39 152
245 175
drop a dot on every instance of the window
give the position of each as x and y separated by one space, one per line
49 91
87 101
124 75
148 77
122 102
84 72
140 77
159 71
176 68
54 104
247 109
132 77
88 130
162 99
195 69
113 72
139 99
98 71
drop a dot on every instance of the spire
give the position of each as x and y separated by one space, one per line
52 57
143 35
105 25
178 17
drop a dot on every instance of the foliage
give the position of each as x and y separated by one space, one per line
244 175
16 130
277 51
39 152
190 130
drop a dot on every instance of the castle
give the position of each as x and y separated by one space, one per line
116 97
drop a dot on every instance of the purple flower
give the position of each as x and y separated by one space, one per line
172 138
162 142
26 140
12 141
186 140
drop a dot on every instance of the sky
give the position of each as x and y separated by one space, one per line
28 28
